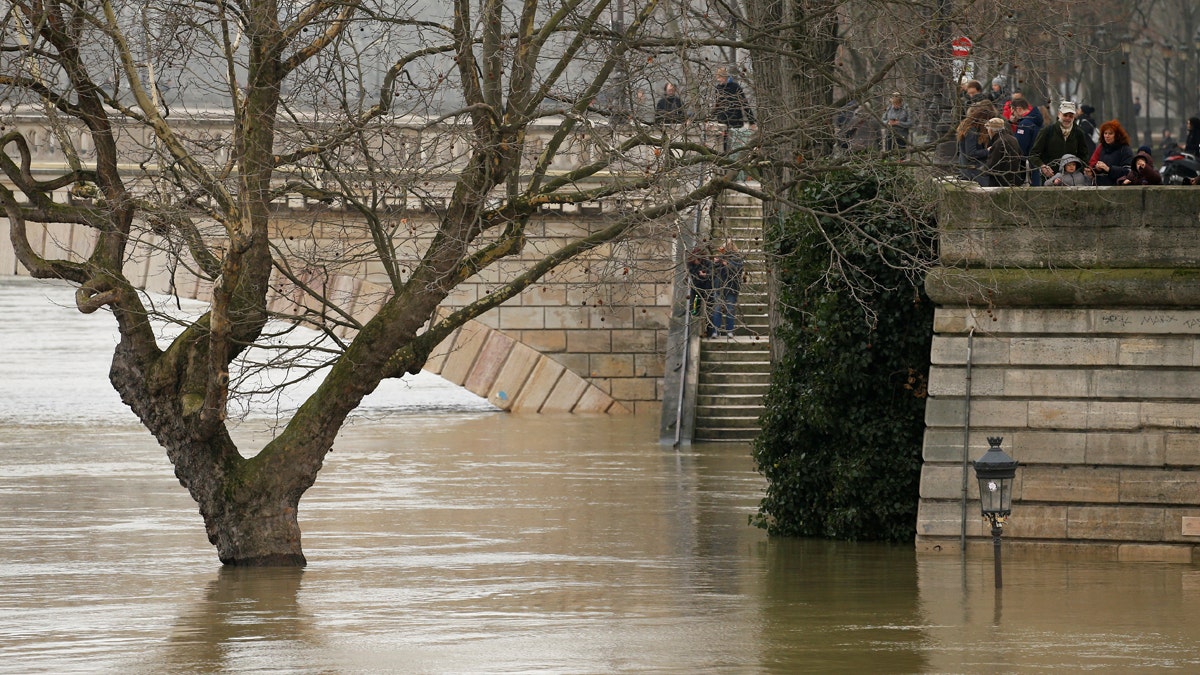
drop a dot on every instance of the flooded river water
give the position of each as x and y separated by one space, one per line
445 538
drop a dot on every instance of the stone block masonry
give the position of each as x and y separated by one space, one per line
1082 312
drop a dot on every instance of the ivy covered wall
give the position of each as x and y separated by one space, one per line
841 437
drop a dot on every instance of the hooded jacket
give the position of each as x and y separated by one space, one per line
1147 175
1075 179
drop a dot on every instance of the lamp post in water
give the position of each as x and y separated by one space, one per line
996 471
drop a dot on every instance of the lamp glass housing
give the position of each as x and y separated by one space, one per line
995 496
996 471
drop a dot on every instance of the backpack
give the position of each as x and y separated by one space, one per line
1090 134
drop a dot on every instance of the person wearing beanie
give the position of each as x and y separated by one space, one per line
997 94
1056 140
1005 162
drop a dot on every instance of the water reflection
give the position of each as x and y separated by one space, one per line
244 616
1061 616
492 543
842 607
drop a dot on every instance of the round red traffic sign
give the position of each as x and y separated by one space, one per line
961 46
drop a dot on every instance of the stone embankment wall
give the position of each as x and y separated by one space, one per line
1080 309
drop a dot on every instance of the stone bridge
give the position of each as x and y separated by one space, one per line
590 337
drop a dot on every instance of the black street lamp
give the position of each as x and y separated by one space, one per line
1189 109
1167 51
996 471
1183 55
1146 44
1011 33
1125 42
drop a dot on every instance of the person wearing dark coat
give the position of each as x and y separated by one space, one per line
972 139
669 109
1027 124
700 273
731 107
1191 145
1058 139
1142 172
727 284
1005 162
1111 159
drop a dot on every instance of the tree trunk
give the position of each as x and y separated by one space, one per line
794 90
265 533
249 505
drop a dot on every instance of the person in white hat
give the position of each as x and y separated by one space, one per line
1055 140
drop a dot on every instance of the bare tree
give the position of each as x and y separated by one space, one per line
369 106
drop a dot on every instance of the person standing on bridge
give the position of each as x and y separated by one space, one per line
1005 162
1142 172
896 123
669 109
731 109
1113 154
727 284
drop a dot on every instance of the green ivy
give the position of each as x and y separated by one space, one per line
841 437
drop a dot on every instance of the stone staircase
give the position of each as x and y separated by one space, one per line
734 373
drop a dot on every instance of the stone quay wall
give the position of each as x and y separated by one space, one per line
1080 311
